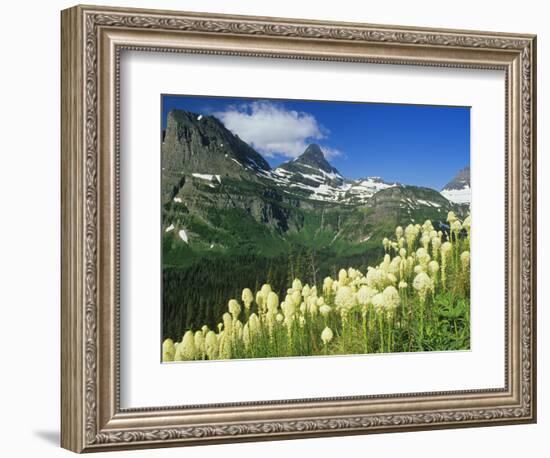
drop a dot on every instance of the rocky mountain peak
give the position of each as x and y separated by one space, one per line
313 156
311 168
460 181
458 189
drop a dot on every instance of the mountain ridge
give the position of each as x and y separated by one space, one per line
309 175
208 171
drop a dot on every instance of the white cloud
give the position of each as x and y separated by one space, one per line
331 153
273 130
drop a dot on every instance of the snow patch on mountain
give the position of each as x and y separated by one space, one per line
207 177
321 185
458 196
363 189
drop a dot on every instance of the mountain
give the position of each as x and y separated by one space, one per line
231 221
311 175
458 189
197 144
311 168
208 172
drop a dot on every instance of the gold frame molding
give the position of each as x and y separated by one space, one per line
92 40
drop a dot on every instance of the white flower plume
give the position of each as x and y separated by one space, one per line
274 130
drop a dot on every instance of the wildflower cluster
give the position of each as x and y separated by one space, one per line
399 305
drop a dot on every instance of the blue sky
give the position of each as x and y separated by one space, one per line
421 145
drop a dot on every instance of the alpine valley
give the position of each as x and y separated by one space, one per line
230 221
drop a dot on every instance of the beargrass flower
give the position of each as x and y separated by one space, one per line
422 283
446 249
265 289
409 265
398 232
394 265
211 345
386 262
456 227
327 285
297 285
296 298
246 335
326 335
168 350
433 267
411 232
199 343
378 302
391 298
238 329
436 244
451 217
401 243
167 344
227 323
365 295
247 298
312 306
254 324
465 260
272 302
345 297
423 256
168 356
467 224
288 308
427 227
325 310
418 269
353 274
260 300
224 346
186 349
425 240
342 277
402 284
375 277
445 252
234 308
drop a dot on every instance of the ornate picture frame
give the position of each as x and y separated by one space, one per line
92 41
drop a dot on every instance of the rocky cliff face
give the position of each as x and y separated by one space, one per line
196 144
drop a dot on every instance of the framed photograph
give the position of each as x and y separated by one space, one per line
277 228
